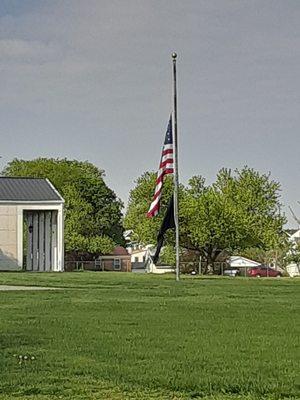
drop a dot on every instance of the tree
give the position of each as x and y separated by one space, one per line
238 211
93 218
273 257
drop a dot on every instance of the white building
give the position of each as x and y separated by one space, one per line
139 258
293 269
141 261
139 255
31 225
242 262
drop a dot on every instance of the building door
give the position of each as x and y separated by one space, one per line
40 240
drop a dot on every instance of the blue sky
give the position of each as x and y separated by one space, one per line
92 80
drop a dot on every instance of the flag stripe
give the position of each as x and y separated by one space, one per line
166 166
168 156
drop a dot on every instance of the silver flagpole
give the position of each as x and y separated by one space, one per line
176 179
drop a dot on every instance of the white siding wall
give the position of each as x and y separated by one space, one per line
11 235
8 238
138 256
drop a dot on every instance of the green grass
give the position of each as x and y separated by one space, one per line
124 336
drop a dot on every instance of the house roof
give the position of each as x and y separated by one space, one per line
291 232
120 251
295 235
28 190
239 262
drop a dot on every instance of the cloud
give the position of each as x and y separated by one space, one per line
26 51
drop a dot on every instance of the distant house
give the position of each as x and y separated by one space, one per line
31 225
141 261
242 262
118 260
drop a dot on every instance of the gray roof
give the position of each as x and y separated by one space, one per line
28 189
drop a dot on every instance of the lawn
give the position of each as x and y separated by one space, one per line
129 336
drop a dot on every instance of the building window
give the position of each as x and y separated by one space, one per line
117 264
136 259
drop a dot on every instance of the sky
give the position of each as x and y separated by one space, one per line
92 80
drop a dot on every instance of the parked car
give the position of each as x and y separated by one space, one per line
264 271
231 272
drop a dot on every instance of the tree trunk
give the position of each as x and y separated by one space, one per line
211 256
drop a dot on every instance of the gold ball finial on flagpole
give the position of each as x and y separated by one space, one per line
174 56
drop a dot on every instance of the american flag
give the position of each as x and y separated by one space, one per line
166 166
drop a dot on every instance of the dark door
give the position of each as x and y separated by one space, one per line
39 239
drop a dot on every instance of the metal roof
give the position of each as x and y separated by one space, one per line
28 190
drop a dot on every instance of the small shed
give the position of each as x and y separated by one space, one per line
31 225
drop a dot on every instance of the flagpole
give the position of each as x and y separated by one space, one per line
176 179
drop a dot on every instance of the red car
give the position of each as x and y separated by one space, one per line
264 271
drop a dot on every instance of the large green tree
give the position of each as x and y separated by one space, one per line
93 218
240 210
276 256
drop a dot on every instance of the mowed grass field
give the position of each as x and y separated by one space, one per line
128 336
